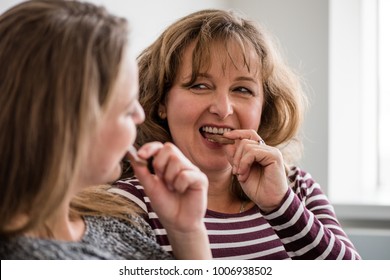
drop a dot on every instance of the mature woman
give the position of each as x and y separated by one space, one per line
214 85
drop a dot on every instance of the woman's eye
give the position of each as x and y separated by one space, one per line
198 86
243 90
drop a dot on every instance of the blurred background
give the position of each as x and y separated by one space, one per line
338 49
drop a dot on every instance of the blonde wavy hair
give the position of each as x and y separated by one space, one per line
58 63
158 65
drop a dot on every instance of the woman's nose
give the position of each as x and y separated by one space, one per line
139 115
221 105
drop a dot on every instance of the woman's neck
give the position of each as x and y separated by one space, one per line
220 195
64 228
58 226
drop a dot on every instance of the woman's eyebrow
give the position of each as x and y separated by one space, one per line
246 78
201 75
204 75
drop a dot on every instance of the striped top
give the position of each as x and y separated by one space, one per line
304 226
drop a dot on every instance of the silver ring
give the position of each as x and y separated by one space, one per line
261 142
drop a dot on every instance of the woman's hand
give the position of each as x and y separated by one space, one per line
259 168
178 194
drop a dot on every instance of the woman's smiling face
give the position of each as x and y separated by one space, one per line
227 95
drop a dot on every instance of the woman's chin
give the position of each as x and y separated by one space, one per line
115 174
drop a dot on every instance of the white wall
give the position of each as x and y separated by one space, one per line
148 18
5 4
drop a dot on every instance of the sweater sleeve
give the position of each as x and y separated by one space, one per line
306 222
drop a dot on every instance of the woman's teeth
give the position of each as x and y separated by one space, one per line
214 134
215 130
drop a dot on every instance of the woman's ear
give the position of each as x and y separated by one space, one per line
162 112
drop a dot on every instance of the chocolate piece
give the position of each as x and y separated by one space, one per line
220 139
133 157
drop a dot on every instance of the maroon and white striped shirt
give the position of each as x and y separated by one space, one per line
304 226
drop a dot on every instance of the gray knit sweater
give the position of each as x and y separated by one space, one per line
104 238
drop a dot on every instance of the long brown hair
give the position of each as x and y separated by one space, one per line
58 63
158 65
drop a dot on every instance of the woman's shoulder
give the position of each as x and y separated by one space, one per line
106 226
132 189
131 182
105 238
29 248
20 249
301 182
130 185
297 174
128 240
